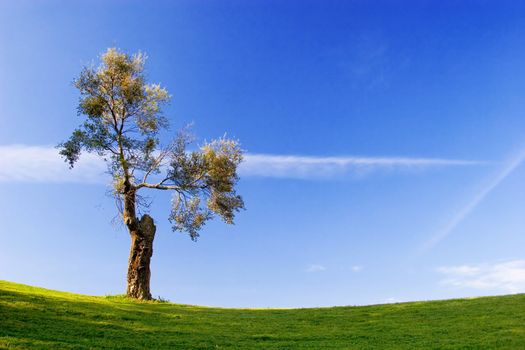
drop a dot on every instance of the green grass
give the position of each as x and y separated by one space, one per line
35 318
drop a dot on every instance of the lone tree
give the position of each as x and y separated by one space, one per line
122 120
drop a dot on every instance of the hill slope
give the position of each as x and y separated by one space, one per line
35 318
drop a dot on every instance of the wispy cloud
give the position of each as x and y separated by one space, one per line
503 173
302 167
356 268
507 277
315 268
392 300
22 163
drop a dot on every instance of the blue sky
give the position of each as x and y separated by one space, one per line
385 143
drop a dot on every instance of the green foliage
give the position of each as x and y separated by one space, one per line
123 116
34 318
207 175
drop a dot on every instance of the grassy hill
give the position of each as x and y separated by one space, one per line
35 318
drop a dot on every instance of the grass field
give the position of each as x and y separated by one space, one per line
35 318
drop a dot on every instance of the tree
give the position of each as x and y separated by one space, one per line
123 117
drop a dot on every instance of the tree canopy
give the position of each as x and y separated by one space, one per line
124 116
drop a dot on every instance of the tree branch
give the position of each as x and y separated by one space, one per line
159 186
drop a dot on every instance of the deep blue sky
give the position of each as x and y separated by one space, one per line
412 79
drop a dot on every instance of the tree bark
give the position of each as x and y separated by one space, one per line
142 234
139 259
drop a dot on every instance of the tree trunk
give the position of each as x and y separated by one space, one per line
142 234
140 253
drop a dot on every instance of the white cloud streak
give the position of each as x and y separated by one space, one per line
22 163
392 300
315 268
505 171
301 167
507 277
